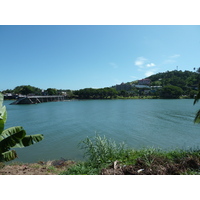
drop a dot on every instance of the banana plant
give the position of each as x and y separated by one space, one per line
13 137
197 97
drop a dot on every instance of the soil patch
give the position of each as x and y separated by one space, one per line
40 168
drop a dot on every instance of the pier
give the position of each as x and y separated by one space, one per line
38 99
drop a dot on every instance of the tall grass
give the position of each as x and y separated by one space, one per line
101 152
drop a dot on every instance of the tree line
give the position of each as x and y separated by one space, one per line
28 90
90 93
171 84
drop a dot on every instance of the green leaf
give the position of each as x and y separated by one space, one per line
1 99
197 97
8 156
3 115
17 131
197 118
3 118
10 137
13 137
29 140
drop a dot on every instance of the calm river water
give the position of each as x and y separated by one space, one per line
166 124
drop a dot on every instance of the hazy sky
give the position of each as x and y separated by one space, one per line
77 57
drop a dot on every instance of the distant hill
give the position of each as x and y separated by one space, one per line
184 80
170 84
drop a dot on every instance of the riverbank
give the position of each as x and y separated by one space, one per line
105 157
131 97
171 163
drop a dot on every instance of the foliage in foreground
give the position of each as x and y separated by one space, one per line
100 152
13 137
104 156
197 97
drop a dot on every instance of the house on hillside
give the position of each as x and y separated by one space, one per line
144 82
123 86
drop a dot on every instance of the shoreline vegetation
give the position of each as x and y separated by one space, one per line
120 98
105 157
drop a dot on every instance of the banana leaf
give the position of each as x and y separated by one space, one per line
197 118
29 140
3 113
10 137
197 97
1 99
8 156
3 117
13 137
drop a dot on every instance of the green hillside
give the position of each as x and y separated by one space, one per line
170 84
184 80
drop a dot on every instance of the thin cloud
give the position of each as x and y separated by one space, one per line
171 59
115 66
175 56
151 65
150 72
143 65
134 77
140 61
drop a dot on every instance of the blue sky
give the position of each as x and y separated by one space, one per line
77 57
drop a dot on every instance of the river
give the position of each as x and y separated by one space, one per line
166 124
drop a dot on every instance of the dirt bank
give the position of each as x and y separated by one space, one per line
40 168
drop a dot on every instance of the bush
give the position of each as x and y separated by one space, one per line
171 92
102 151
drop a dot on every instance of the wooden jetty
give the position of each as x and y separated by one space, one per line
38 99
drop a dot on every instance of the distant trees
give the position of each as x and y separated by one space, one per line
177 78
90 93
170 84
27 89
171 92
52 91
31 90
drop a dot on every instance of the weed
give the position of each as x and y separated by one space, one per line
81 168
102 151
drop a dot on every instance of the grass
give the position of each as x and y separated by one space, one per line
104 156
